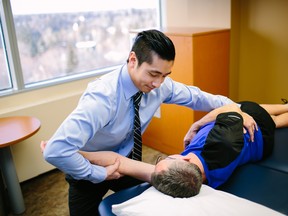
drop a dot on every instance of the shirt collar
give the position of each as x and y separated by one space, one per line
128 86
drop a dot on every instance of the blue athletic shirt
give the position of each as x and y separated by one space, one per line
222 146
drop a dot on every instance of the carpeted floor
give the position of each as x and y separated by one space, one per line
46 195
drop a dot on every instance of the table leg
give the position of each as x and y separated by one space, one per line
10 177
2 195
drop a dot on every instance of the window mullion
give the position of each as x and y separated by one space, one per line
11 45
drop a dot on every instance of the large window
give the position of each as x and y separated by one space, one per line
72 39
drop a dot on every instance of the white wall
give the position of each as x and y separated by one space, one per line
196 13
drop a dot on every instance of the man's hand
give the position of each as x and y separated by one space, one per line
43 145
112 170
249 124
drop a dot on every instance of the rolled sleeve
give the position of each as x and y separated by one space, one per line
98 174
73 164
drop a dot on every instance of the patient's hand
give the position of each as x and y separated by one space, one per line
190 134
249 125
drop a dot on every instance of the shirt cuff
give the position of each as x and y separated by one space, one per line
98 174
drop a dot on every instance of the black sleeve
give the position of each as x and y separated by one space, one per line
225 140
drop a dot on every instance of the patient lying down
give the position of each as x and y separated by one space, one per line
213 154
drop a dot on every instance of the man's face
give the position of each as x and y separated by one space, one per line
165 163
148 76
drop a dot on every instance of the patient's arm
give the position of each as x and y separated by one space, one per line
209 117
133 168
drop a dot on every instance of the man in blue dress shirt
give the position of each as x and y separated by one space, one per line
103 119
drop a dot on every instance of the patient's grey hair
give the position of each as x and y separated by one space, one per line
181 179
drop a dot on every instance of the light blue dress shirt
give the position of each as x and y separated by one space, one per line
103 120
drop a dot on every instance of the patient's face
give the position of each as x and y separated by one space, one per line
165 163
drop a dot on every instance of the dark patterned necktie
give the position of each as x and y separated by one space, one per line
137 149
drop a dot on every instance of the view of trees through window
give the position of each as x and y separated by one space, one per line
55 44
4 74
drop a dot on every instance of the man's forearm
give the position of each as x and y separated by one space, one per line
133 168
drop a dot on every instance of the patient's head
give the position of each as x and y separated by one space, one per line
177 178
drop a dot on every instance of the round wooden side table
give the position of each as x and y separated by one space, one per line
13 130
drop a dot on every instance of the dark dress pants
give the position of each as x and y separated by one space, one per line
85 196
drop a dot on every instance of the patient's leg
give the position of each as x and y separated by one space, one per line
275 109
281 120
278 112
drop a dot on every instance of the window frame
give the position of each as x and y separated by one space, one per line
14 62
